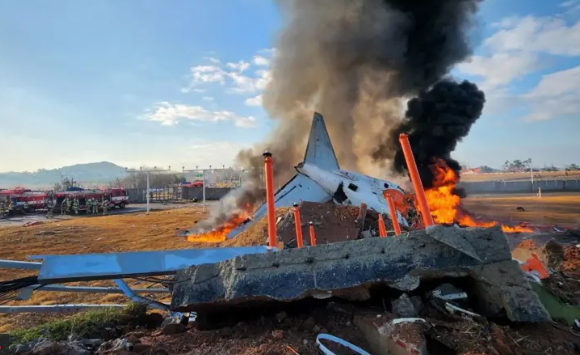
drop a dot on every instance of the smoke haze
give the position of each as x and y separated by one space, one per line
356 62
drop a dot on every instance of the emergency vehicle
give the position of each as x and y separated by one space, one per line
196 183
117 197
23 199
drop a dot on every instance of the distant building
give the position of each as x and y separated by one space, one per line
471 171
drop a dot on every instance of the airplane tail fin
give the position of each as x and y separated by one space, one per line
319 151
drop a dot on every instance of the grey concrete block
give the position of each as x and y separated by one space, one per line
346 269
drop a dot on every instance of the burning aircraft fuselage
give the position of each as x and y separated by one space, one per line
347 187
320 179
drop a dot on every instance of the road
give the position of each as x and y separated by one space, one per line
20 220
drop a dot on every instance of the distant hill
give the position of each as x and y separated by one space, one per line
102 172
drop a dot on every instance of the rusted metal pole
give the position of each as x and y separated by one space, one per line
416 180
312 235
393 212
270 199
382 228
298 225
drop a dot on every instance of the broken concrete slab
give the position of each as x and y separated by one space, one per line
454 238
500 288
348 269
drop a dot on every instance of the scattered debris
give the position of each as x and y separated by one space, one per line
337 340
33 223
174 324
451 308
448 292
404 307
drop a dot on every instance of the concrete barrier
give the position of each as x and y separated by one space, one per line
348 270
211 193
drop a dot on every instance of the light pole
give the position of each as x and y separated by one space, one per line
148 172
531 172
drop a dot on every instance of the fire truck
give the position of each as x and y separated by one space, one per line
117 197
22 200
195 183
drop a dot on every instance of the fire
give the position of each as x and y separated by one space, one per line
219 234
445 206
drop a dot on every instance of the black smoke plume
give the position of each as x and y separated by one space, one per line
356 62
436 121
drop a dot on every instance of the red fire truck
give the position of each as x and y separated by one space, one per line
117 197
21 199
196 183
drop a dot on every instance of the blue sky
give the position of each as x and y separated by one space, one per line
178 83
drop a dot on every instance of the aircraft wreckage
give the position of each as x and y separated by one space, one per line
320 179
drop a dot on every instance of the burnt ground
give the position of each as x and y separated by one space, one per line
296 334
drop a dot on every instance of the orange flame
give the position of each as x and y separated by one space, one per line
445 206
219 234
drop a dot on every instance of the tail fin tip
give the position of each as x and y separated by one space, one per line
319 151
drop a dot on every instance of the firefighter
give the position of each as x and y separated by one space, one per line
105 204
64 206
89 204
75 205
49 207
2 208
95 206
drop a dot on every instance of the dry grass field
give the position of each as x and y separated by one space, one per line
103 234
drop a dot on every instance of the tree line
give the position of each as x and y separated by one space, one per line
526 165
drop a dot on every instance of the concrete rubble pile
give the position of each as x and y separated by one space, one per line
478 259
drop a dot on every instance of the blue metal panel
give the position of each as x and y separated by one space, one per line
15 264
67 268
56 308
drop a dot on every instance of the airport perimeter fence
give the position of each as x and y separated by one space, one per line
491 187
177 193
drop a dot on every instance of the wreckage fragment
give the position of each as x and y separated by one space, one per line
348 269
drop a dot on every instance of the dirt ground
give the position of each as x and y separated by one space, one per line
267 335
552 209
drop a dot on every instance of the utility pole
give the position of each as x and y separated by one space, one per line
148 172
531 173
203 172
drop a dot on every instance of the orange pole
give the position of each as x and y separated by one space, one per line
270 199
382 228
298 225
393 212
312 235
416 180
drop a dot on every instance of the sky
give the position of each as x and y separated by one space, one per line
158 83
